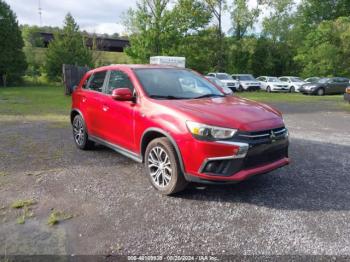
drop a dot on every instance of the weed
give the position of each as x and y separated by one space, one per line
23 203
57 217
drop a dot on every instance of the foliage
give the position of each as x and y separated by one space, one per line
243 18
68 47
157 30
12 60
326 50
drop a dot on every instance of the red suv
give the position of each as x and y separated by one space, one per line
180 125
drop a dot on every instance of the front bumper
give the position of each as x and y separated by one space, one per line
251 87
280 89
307 91
227 162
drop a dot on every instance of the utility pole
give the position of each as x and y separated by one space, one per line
40 13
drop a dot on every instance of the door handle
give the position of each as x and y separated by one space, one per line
83 99
105 108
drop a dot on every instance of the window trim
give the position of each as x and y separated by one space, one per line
90 79
105 89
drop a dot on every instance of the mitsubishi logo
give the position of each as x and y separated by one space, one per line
273 136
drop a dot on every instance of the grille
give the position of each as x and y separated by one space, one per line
266 134
267 157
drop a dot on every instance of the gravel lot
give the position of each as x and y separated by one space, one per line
300 209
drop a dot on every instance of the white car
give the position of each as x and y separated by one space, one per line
219 83
273 84
227 80
294 83
247 82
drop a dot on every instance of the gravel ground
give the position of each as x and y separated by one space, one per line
300 209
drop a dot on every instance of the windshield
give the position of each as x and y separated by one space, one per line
169 83
223 76
324 80
273 79
296 79
246 78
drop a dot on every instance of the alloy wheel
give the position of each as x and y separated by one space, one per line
159 166
78 131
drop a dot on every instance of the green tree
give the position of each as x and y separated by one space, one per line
326 50
217 8
243 18
68 47
12 59
158 29
31 36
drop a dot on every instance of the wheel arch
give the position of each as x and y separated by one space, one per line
153 133
73 113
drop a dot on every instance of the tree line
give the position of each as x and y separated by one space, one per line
274 37
307 38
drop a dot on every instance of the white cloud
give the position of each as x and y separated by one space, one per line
101 16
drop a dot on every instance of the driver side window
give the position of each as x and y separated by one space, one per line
118 79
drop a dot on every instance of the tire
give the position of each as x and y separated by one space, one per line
161 158
80 136
292 89
320 92
268 89
240 88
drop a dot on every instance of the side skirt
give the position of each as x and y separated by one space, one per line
117 148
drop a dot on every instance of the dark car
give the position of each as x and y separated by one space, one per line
347 94
326 86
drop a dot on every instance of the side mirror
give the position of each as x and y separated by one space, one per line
122 94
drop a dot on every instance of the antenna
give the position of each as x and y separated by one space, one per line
40 13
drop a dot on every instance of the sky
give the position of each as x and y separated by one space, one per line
94 16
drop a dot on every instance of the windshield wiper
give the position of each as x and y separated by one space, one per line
167 97
209 95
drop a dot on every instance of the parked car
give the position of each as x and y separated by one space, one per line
347 94
181 126
226 79
326 86
312 79
247 82
272 84
294 83
219 83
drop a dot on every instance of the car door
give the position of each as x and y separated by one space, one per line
343 84
119 123
92 100
262 81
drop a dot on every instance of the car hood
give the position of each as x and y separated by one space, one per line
312 84
249 82
229 111
277 83
228 81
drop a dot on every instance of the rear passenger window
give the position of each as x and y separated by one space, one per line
117 80
96 81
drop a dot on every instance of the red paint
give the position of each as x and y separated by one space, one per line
124 122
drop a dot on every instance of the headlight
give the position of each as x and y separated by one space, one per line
207 132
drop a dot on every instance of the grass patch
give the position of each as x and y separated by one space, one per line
35 103
57 216
23 203
288 97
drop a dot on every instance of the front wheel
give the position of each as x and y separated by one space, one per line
163 168
240 88
320 92
292 89
268 89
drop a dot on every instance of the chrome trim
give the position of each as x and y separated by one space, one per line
119 149
266 134
242 147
